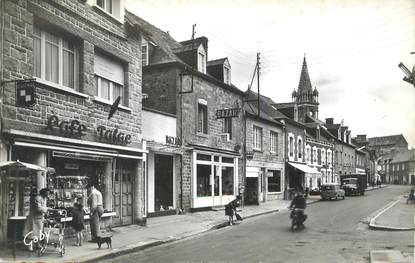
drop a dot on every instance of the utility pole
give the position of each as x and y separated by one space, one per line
257 72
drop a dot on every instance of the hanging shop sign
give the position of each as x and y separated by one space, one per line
227 113
25 93
113 136
69 128
173 140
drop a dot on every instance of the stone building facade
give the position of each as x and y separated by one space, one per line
265 148
179 81
79 56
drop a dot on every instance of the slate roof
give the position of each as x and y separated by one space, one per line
386 140
267 112
164 41
170 46
215 62
284 105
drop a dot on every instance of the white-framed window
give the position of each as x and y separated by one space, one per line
227 127
201 59
257 138
314 155
323 156
109 79
300 148
329 157
308 154
105 5
144 54
55 58
227 75
115 8
273 141
291 146
202 116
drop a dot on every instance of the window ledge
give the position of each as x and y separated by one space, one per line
60 87
107 102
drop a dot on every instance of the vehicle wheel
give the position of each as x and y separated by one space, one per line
336 198
343 197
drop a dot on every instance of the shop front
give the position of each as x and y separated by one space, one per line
115 170
215 179
303 176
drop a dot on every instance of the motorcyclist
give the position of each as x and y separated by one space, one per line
298 204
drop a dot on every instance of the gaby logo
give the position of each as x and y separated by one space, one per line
30 241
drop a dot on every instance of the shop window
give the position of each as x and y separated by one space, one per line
216 158
109 79
274 181
55 58
258 138
204 157
203 180
273 142
227 180
227 160
202 116
106 5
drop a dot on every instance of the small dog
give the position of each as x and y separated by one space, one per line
104 239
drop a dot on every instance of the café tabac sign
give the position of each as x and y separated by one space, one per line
74 128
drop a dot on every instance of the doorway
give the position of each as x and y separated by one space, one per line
163 182
123 193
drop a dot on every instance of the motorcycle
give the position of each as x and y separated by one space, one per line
297 218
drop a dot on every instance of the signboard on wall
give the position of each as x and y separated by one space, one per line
227 113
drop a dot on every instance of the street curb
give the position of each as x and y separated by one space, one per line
374 226
144 246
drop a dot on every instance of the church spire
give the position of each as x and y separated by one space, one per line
305 83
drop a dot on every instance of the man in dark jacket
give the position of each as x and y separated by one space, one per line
298 203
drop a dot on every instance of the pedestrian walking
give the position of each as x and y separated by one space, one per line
411 197
96 211
78 220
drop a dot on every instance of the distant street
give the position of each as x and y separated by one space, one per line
334 233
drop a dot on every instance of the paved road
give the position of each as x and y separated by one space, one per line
334 232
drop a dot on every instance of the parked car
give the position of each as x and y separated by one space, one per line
330 191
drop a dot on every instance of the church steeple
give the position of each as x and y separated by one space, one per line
305 83
305 98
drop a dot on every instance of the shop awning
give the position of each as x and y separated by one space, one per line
305 168
78 151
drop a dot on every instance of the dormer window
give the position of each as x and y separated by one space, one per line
201 59
226 75
144 54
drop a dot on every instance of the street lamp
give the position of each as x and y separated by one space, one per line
410 76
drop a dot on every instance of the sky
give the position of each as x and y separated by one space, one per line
352 49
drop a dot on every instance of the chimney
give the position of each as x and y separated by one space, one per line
329 120
361 138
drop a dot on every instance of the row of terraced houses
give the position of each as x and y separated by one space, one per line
182 137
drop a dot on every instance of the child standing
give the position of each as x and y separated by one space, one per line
78 220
